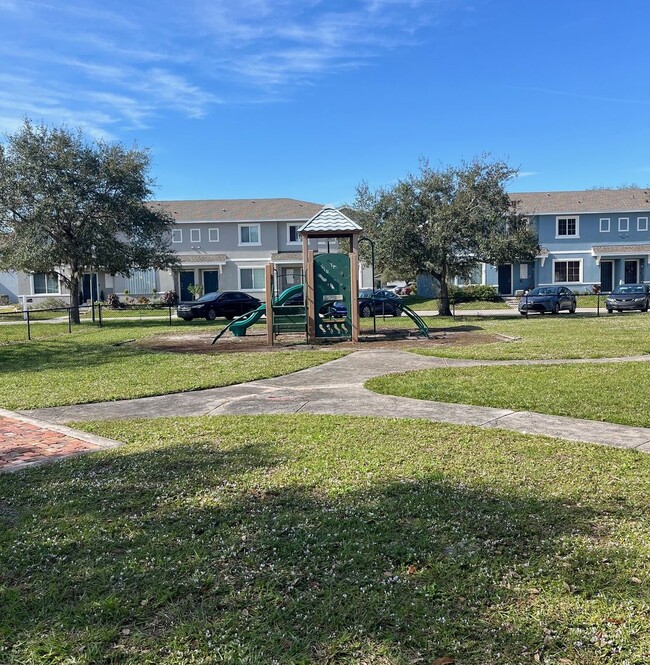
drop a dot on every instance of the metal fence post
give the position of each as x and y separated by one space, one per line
99 310
29 331
69 320
170 315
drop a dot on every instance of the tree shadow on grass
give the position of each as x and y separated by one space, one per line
194 554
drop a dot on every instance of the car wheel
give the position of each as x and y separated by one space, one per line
645 307
211 315
572 308
396 312
556 308
610 311
523 313
365 311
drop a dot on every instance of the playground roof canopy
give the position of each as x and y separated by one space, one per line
329 220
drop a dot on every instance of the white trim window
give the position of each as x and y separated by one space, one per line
642 224
604 225
567 272
251 279
567 227
195 235
45 284
177 235
213 235
623 224
293 238
249 234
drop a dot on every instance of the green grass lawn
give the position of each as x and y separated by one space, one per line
561 336
563 390
97 364
419 303
326 540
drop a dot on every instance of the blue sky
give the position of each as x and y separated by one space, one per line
306 98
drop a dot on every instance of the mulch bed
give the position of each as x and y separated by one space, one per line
256 342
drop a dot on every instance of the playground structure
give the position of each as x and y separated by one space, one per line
328 278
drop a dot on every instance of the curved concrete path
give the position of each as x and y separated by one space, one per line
337 388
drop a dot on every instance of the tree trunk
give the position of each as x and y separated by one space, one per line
74 298
444 308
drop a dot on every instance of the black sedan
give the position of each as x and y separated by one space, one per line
220 303
372 302
548 299
629 296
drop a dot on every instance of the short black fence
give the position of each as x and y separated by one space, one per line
585 303
96 313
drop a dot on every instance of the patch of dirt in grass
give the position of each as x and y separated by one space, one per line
256 342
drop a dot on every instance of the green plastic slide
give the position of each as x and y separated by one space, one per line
240 325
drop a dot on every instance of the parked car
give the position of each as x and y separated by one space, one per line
628 296
220 303
548 299
379 301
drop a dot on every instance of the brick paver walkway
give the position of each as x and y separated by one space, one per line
24 443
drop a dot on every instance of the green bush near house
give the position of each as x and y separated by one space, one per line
474 292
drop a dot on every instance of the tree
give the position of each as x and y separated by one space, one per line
70 206
445 222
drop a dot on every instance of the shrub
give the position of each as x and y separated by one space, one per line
142 300
4 299
169 298
474 292
50 303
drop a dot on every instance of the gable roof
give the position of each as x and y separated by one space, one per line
329 220
227 210
591 200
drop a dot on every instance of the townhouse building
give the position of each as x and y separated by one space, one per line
588 238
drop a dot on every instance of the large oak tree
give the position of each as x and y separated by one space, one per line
70 206
445 222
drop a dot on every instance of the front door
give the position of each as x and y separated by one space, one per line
606 276
631 271
210 281
505 279
186 280
89 289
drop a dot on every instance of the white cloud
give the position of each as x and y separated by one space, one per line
122 67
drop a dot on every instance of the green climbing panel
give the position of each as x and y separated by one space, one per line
332 285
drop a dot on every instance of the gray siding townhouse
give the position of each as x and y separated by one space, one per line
221 244
225 244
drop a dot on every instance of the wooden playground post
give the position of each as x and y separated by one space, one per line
354 295
310 296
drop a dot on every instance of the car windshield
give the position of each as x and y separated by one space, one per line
367 293
629 288
209 296
544 291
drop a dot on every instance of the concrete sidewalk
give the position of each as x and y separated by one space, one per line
337 388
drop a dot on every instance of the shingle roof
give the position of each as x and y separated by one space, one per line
287 256
591 200
239 209
330 220
202 258
621 249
